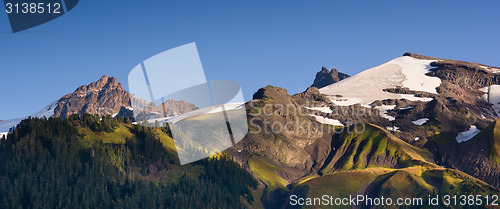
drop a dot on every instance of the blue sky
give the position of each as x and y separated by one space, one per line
256 43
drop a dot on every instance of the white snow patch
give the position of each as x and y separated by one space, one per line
321 109
2 134
494 97
394 128
416 138
328 121
383 111
367 86
415 70
407 107
365 105
494 70
466 135
491 69
114 115
484 89
420 121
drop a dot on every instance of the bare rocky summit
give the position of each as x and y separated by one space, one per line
326 77
108 97
103 97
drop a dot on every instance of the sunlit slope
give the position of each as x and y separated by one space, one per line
373 146
372 162
376 163
412 182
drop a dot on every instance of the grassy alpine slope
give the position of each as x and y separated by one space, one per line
376 163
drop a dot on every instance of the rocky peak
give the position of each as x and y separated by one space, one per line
104 83
326 77
103 97
106 96
273 93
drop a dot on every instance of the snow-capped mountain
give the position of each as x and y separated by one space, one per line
368 86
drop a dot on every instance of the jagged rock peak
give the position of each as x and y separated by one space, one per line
106 96
103 83
326 77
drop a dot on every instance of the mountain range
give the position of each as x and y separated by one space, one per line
413 126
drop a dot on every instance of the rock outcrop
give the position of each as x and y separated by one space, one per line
326 77
103 97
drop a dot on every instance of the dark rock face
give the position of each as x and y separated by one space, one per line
465 75
326 77
477 156
103 97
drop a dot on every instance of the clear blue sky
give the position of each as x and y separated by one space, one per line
256 43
